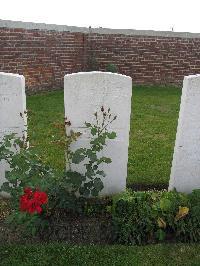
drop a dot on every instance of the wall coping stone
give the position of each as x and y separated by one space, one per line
60 28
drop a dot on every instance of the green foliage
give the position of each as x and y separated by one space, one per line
144 217
26 168
68 190
111 68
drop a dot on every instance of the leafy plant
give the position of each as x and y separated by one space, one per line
90 183
71 190
144 217
26 171
111 68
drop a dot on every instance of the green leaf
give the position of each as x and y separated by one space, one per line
5 187
84 191
93 131
165 204
98 184
160 234
112 135
12 177
104 160
102 139
78 156
101 173
89 185
90 172
87 124
91 155
94 192
75 178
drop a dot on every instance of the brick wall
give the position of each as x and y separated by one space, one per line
43 57
147 59
45 53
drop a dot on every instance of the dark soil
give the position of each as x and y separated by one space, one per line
146 187
85 230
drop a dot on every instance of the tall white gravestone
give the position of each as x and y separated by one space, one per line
12 110
84 94
185 172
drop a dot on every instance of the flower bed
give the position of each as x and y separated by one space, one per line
129 218
68 208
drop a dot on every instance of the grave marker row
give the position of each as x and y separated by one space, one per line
85 94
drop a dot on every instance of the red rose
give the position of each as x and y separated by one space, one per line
41 197
31 201
28 191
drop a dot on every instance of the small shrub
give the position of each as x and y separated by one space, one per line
145 217
111 68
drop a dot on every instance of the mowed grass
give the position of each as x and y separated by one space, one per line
153 128
45 112
62 254
152 136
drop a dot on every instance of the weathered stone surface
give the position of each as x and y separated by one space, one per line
185 172
12 108
85 93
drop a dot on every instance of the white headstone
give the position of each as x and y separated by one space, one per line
185 172
12 109
84 94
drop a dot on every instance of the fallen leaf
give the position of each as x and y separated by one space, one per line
161 223
183 211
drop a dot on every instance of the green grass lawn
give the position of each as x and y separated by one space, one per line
68 255
153 128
